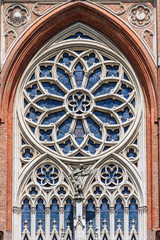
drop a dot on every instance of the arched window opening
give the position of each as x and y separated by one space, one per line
68 215
26 214
105 214
119 214
54 214
90 214
40 215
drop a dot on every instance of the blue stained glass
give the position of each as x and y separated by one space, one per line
105 88
33 91
106 59
33 115
78 35
105 237
133 102
119 213
45 135
40 237
125 91
90 237
135 142
97 191
25 237
40 214
68 214
53 117
109 103
68 237
33 191
94 78
133 237
94 128
90 213
52 88
131 153
125 114
133 214
67 147
104 211
112 71
25 103
125 77
54 237
113 135
91 59
46 71
27 154
49 103
26 214
54 214
52 59
64 78
32 129
105 117
79 74
79 132
61 191
91 147
66 59
64 128
119 237
33 77
126 129
126 191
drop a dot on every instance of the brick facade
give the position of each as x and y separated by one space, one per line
39 30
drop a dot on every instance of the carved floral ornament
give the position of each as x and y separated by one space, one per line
140 15
17 15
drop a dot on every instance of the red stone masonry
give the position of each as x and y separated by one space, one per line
18 60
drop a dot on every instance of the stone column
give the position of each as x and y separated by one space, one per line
79 221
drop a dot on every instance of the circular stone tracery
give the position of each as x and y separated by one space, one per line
80 103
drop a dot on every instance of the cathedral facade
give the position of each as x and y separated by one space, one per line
79 120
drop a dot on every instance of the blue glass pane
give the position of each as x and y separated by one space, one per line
119 237
97 191
68 237
54 237
94 78
40 214
133 237
90 237
25 103
91 59
109 103
94 128
54 214
105 117
66 59
104 213
78 35
126 129
113 135
45 135
40 237
125 77
126 190
105 88
131 153
26 214
79 132
79 74
67 147
90 213
52 88
119 214
27 154
133 102
125 91
51 59
53 117
91 147
46 71
125 115
25 237
64 78
33 115
49 103
64 128
112 71
105 237
32 77
68 214
106 59
61 191
133 214
33 91
32 129
33 191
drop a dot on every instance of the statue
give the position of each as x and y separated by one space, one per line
77 178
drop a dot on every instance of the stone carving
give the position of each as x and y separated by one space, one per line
148 36
10 31
77 178
17 15
140 15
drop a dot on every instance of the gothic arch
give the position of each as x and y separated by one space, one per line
128 43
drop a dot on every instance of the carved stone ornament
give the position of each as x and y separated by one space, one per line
140 15
17 15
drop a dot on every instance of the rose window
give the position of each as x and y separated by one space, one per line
79 103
